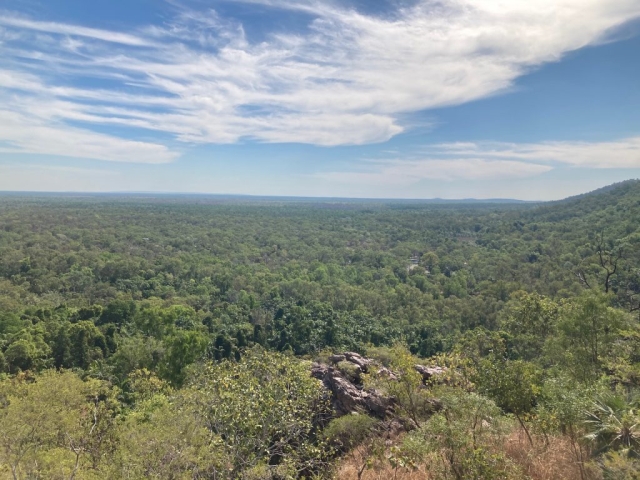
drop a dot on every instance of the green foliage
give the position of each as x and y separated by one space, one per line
349 370
619 466
182 349
406 386
530 320
264 408
613 423
161 439
27 350
534 304
54 425
562 406
349 431
457 442
119 312
513 384
134 353
587 331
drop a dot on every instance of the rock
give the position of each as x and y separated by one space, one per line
346 397
319 370
351 371
385 372
358 360
377 403
348 394
337 359
429 372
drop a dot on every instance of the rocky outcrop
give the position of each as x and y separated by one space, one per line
347 397
429 372
342 377
359 361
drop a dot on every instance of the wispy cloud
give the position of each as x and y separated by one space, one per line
25 134
623 153
408 172
346 79
56 168
491 161
73 30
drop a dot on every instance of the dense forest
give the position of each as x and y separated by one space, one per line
172 337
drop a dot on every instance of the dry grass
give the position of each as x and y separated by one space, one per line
553 461
349 471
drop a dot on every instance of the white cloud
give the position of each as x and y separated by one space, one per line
408 172
347 79
73 30
491 161
29 169
623 153
27 134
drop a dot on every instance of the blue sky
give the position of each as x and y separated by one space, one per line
520 99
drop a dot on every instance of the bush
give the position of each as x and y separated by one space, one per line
461 441
349 431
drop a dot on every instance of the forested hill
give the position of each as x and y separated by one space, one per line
619 196
149 297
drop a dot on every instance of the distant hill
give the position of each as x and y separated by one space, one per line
621 195
615 189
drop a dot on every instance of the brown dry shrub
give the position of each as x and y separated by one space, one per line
556 460
351 465
553 461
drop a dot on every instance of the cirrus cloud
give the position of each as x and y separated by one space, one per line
346 79
491 161
624 153
408 172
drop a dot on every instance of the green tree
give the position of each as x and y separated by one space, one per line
119 312
164 439
405 385
514 385
54 426
530 320
27 351
457 441
613 423
181 350
587 330
562 405
264 407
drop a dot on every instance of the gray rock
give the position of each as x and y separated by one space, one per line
429 372
358 360
337 359
349 397
346 397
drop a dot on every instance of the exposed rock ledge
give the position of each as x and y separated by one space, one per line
347 396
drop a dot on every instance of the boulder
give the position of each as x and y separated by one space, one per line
337 359
347 397
358 360
385 372
429 372
347 392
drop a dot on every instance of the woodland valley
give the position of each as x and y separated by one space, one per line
203 337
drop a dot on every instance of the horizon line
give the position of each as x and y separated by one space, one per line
266 196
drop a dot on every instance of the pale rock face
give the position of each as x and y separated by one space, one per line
349 396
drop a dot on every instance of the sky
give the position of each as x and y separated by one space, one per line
524 99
